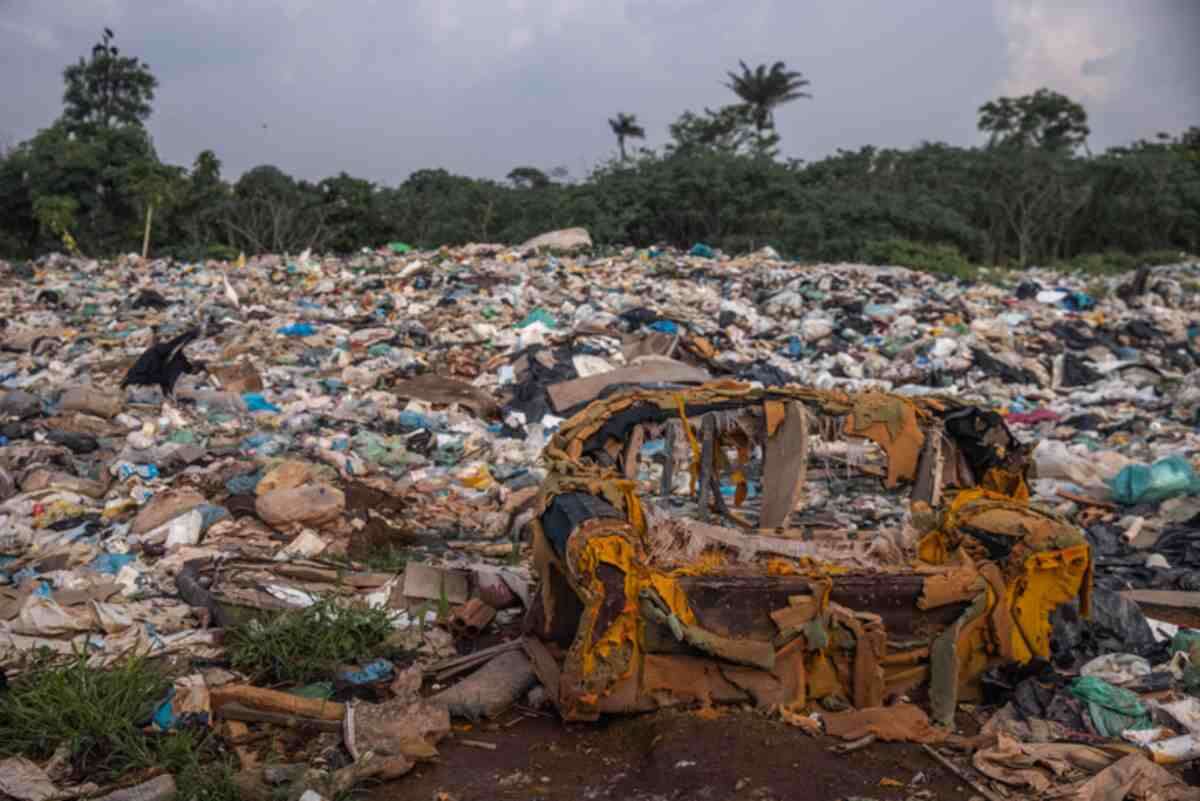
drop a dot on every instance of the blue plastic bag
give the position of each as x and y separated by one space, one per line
1077 302
665 326
369 673
146 471
111 563
255 402
297 330
702 250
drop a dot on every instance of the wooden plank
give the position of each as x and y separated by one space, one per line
544 665
785 467
1174 599
633 449
707 463
568 394
668 474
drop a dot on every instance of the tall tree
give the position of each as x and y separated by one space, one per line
763 89
726 130
528 178
625 126
107 90
1044 120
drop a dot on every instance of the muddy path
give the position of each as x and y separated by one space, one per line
668 756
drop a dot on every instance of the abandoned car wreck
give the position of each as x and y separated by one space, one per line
716 587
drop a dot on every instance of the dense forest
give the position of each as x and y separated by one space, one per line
1034 194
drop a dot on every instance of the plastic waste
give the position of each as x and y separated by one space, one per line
879 312
297 330
1175 749
1112 709
1078 302
399 247
127 471
538 315
1164 479
702 250
1185 640
255 402
111 563
1117 669
370 673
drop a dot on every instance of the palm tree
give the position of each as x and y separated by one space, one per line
761 90
625 125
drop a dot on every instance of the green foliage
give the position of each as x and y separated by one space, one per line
1044 119
1112 262
96 714
931 258
220 253
625 126
528 178
56 216
307 644
762 90
107 89
728 130
1117 262
1027 199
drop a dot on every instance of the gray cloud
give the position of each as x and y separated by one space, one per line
380 89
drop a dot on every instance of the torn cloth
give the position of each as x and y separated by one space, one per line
1038 765
899 723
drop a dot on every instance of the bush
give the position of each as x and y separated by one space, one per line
304 645
1108 263
1157 257
221 253
938 259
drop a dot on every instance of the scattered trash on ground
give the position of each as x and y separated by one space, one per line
315 518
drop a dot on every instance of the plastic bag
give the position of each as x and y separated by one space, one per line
255 402
1118 669
1112 709
297 330
1164 479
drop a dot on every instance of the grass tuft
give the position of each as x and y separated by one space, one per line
97 716
304 645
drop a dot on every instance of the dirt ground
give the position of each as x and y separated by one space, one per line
668 756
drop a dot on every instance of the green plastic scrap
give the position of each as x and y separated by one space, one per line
538 315
388 451
400 247
1111 709
321 691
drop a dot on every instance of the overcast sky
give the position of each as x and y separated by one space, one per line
380 88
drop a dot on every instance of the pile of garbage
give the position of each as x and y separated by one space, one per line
190 450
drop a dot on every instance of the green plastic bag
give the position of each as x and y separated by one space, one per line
1184 639
400 247
1166 478
538 315
1112 709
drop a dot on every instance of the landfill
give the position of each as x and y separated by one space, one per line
876 504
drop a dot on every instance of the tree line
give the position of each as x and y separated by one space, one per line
1033 194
